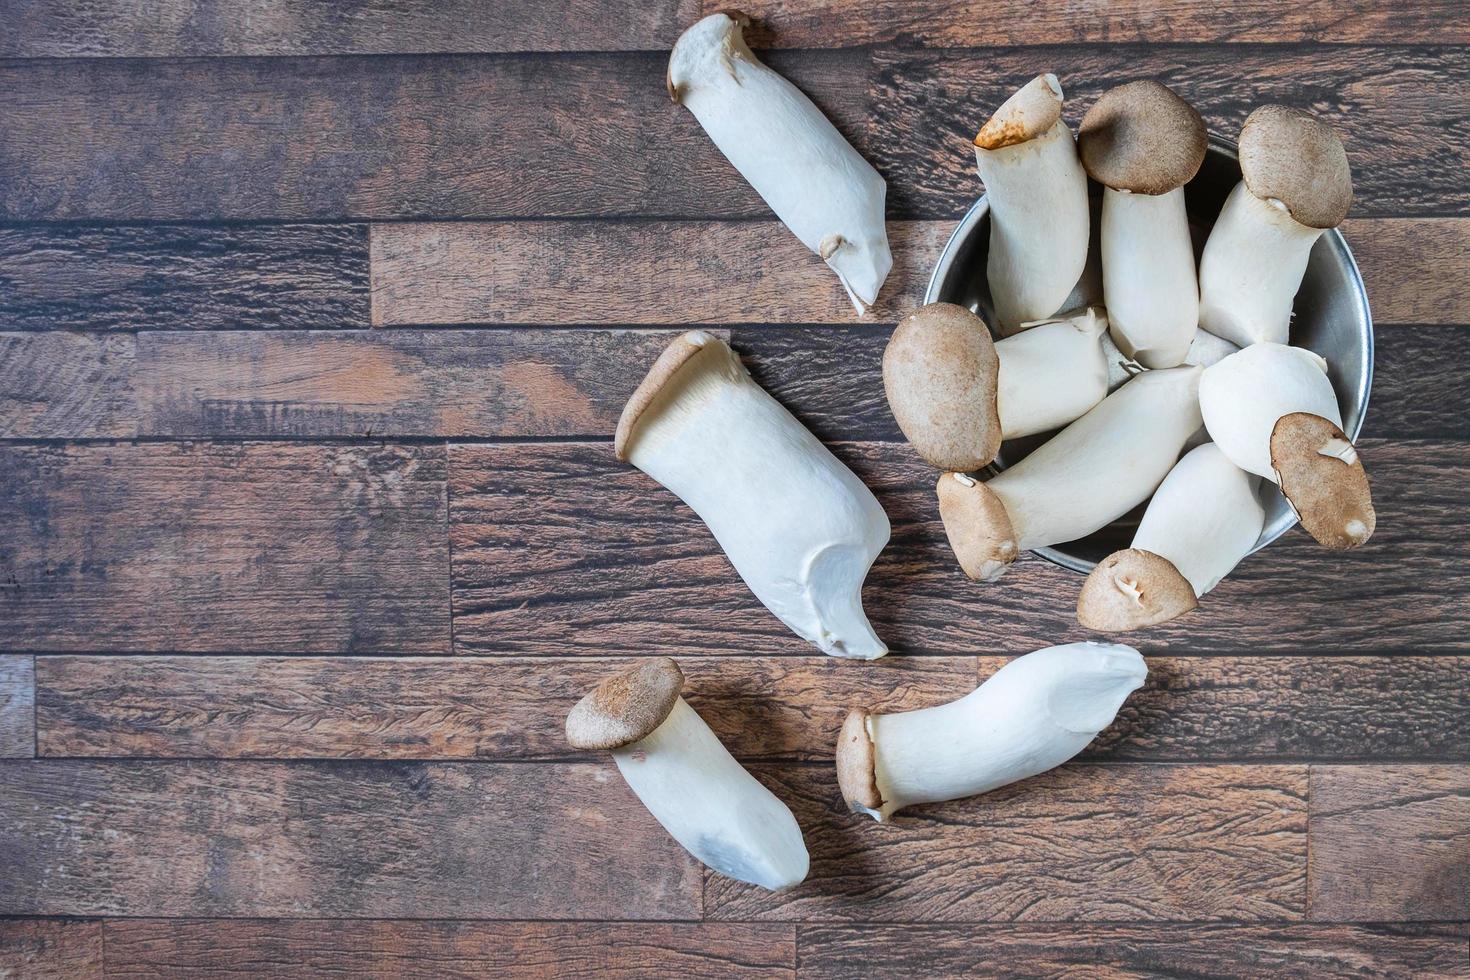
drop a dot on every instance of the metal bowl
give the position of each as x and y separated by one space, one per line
1331 318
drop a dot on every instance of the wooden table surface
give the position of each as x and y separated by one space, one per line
315 321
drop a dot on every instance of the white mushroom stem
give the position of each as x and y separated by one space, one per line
1204 518
1148 276
1050 373
818 185
1037 191
708 802
1104 464
1205 349
1032 715
1243 396
798 526
1251 269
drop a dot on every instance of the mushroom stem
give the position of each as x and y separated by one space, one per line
1050 374
1251 269
799 527
1032 715
1037 192
1092 472
1148 276
1204 518
818 185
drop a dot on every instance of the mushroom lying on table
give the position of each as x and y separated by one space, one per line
1204 518
1143 143
1037 192
957 394
1032 715
1272 410
1296 185
798 526
689 782
797 161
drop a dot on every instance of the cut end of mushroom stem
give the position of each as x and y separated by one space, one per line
1321 475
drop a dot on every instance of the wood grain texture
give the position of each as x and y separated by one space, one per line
1392 108
1116 952
461 708
239 548
17 707
605 560
340 840
1390 843
453 383
194 28
66 385
401 137
406 137
666 272
281 949
1136 843
981 23
183 277
41 949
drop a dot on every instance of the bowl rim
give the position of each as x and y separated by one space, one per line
1363 384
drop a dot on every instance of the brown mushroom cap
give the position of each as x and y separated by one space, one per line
627 706
1293 157
856 766
1141 137
1330 493
940 372
660 379
977 525
1033 110
1131 589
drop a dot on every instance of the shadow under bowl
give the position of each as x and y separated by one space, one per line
1330 317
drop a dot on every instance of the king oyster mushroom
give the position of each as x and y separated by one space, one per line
689 782
798 526
1038 204
818 185
1296 184
957 395
1143 143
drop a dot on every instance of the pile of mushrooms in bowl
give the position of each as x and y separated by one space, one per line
1127 367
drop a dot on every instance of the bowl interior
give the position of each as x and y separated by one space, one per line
1330 317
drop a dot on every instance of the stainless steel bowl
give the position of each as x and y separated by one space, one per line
1331 318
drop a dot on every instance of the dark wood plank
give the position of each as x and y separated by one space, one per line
401 137
66 385
461 708
454 383
606 561
1406 143
183 277
1418 380
977 23
1103 843
17 707
48 949
284 949
340 840
1116 952
1390 843
242 548
406 137
665 272
193 28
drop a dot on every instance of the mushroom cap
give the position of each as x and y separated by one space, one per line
1032 111
977 525
1293 157
940 372
674 359
1320 473
627 706
1141 137
857 773
1131 589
